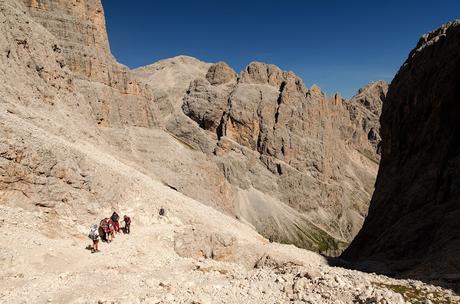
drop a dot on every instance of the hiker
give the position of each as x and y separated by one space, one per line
127 221
94 236
116 224
111 228
106 229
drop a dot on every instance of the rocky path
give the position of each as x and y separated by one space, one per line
143 267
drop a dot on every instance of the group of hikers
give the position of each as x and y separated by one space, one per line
107 229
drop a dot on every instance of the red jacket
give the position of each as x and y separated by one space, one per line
111 226
105 225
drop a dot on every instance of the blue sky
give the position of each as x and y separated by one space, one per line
338 44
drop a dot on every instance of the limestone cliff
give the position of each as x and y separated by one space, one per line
116 97
413 217
62 168
365 109
295 164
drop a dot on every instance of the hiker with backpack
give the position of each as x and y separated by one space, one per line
94 236
127 221
106 229
116 224
111 229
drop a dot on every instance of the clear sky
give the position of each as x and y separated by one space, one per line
338 44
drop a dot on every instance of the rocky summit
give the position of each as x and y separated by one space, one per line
297 165
224 175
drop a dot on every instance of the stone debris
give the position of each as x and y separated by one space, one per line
81 136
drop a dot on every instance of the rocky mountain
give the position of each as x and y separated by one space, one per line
299 166
295 164
365 109
115 97
413 217
82 136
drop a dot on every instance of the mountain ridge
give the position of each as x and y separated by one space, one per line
75 146
121 102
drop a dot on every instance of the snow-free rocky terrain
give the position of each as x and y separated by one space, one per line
297 165
227 156
414 213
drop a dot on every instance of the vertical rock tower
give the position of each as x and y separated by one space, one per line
414 214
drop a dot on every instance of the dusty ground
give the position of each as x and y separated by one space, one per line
73 149
144 267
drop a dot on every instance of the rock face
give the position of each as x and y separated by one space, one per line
116 97
413 217
283 149
295 164
79 27
365 109
75 146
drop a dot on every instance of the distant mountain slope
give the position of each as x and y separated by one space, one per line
296 160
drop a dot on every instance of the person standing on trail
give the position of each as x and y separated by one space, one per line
111 229
127 221
94 236
116 224
106 229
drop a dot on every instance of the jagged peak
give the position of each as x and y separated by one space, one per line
254 64
220 73
315 90
434 36
338 98
264 73
371 96
261 73
379 84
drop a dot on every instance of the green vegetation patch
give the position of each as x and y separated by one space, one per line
414 295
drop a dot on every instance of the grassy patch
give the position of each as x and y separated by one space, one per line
369 155
183 142
414 295
313 238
